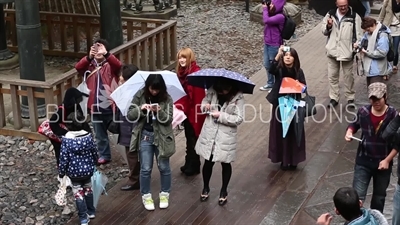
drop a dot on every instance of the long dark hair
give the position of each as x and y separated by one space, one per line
296 61
225 84
156 82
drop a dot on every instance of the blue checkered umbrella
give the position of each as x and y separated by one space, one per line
205 78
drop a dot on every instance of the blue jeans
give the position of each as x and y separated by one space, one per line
381 180
269 55
147 152
367 7
83 194
396 207
100 123
396 41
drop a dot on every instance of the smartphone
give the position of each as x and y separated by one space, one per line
96 47
154 104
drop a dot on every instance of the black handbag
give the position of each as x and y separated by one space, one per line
114 125
310 104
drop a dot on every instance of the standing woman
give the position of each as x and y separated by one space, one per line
390 17
217 141
153 136
190 105
274 21
285 150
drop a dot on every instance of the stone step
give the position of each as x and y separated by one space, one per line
376 9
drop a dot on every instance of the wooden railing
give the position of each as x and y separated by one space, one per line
71 35
154 49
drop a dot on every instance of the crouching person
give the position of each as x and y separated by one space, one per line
77 161
349 206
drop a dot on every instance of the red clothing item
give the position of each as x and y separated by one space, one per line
377 121
191 103
109 71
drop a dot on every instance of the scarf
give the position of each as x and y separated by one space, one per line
183 72
371 47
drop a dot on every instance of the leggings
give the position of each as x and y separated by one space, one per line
57 148
207 171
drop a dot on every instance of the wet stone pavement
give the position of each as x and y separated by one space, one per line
330 159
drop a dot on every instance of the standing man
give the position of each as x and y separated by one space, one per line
101 69
342 26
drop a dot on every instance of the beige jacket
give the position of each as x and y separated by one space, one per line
340 37
219 137
386 14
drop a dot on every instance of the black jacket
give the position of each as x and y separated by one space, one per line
279 73
392 134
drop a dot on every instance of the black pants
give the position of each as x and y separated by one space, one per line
57 148
191 156
207 172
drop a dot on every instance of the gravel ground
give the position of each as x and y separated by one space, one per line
221 36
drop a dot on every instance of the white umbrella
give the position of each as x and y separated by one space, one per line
123 95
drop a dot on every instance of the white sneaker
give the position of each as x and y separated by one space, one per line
148 202
164 198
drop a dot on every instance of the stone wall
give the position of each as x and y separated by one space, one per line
290 9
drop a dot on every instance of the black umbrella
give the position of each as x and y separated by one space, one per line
299 124
322 7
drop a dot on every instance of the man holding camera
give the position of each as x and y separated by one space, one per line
342 26
375 46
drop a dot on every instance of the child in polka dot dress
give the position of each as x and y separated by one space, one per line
77 161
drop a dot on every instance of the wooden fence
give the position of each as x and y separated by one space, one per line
151 44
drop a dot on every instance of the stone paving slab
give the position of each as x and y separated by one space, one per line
331 166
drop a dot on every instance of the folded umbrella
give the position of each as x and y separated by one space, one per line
299 124
99 181
123 95
205 78
287 107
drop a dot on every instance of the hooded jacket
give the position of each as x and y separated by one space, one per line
273 24
78 155
369 217
69 105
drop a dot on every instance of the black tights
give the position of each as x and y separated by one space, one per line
226 174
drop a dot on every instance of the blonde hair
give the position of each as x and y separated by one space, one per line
186 53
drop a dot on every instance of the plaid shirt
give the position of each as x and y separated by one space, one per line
373 148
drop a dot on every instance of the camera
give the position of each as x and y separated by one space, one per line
266 2
362 45
286 49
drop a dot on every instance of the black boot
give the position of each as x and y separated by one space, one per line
193 167
183 168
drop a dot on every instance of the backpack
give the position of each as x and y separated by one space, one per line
289 26
390 54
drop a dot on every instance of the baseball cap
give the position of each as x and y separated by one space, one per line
377 89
